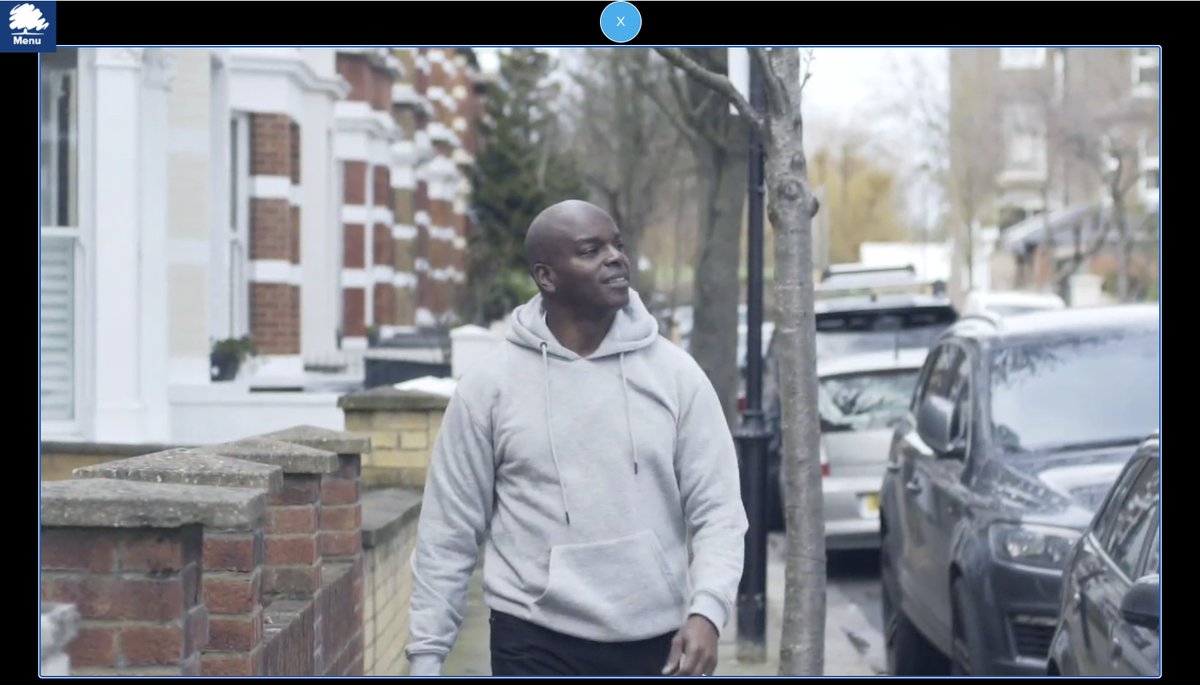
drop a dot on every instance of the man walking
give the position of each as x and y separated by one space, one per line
584 458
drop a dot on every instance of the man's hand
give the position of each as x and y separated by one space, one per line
694 648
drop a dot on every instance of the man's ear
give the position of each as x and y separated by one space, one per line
543 275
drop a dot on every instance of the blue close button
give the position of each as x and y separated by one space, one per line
620 22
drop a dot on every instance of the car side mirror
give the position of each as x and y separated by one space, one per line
1139 607
934 417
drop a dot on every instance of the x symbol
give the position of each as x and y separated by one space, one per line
620 21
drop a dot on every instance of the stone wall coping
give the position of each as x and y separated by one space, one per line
386 512
189 466
110 503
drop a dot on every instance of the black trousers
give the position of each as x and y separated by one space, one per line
522 648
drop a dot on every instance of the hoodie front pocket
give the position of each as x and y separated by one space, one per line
616 590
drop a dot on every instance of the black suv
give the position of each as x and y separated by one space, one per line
1016 432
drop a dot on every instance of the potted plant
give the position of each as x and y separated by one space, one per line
227 356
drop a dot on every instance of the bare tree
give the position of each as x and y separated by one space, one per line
960 131
1098 128
717 140
860 203
629 146
791 206
1113 157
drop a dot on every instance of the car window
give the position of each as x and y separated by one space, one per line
945 372
1136 518
865 401
880 330
1151 565
959 393
1074 391
931 361
1128 547
1107 514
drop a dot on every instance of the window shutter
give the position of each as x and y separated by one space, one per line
58 329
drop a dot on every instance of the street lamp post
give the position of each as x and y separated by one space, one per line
752 434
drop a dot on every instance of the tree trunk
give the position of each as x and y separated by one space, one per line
1048 237
677 266
1122 249
791 208
970 247
633 251
715 286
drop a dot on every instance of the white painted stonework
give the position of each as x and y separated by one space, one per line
60 625
220 413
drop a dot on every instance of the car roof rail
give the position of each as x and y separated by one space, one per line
985 316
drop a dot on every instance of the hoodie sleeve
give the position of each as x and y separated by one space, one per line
455 511
707 468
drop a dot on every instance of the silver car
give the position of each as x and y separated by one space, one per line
861 397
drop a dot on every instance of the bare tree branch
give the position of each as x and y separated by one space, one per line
600 184
680 123
705 102
776 89
701 126
692 110
717 82
599 135
807 68
1091 251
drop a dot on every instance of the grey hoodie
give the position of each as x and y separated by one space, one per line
583 476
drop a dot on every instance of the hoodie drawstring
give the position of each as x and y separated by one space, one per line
562 488
628 417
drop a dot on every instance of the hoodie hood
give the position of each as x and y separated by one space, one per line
633 329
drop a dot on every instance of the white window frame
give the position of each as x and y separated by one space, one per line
1022 57
1140 61
72 428
1149 163
234 241
337 195
1024 131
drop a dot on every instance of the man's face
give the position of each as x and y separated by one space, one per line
591 271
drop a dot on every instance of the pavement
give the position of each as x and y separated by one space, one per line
853 645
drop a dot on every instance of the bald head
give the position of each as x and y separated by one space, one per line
577 258
556 228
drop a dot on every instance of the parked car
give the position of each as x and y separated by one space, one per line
880 323
847 277
860 400
1016 431
1109 618
1010 302
885 336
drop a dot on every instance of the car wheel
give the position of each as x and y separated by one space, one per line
908 651
966 659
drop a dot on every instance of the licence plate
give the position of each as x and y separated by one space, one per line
869 503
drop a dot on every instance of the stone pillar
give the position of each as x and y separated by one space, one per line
128 555
232 558
403 426
340 610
